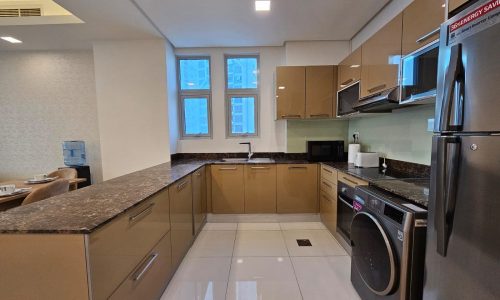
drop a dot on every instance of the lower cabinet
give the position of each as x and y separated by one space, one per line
297 188
150 278
199 199
228 195
260 189
181 218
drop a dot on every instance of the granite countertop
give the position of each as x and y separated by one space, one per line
85 210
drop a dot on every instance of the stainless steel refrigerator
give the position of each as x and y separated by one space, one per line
463 234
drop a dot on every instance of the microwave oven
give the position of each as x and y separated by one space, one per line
347 99
325 151
419 74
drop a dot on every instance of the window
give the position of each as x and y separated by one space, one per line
242 95
194 93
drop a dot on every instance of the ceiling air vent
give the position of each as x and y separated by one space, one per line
20 12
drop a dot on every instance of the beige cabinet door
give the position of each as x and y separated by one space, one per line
228 189
454 4
320 83
380 58
328 211
297 188
181 218
260 189
349 69
417 33
290 92
199 198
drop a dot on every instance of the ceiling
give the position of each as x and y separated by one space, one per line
103 20
235 23
197 23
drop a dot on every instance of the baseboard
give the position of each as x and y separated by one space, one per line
262 218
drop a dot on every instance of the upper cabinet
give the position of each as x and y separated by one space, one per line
421 21
349 70
291 92
454 4
320 83
380 57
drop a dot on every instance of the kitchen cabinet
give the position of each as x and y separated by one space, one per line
117 249
290 92
181 218
349 69
199 199
454 4
380 57
150 278
320 91
350 180
228 195
328 198
417 32
260 189
297 188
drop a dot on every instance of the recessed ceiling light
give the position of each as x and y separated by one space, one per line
11 39
263 5
355 66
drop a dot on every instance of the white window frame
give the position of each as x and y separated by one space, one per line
234 93
183 94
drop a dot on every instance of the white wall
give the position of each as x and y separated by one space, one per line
132 105
46 97
383 17
316 52
272 136
173 120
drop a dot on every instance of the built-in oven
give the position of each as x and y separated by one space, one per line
345 211
325 151
347 98
419 74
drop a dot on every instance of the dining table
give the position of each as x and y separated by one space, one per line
7 202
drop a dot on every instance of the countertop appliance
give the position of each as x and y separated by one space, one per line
388 246
367 160
347 98
419 75
325 151
463 238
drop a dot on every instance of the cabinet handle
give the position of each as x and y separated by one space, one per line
259 168
142 213
297 167
319 115
291 116
227 169
146 266
329 171
350 180
427 35
347 82
328 185
182 185
377 88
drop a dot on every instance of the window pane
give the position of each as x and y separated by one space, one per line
196 116
242 115
194 74
242 73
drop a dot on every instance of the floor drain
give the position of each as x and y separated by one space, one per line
304 243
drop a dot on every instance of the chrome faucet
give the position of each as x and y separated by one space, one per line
250 153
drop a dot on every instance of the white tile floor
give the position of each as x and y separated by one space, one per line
259 261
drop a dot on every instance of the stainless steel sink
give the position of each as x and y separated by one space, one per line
246 160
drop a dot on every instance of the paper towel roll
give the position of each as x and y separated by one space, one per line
353 150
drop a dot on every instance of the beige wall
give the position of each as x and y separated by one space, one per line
173 120
46 97
131 87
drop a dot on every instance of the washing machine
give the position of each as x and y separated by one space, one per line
388 246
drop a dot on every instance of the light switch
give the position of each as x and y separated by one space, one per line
430 125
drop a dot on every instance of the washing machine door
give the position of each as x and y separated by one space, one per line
373 254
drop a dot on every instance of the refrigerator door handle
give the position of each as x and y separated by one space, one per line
447 177
451 118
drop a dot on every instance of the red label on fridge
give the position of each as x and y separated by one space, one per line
478 13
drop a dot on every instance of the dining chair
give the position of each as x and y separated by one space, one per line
57 187
66 173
